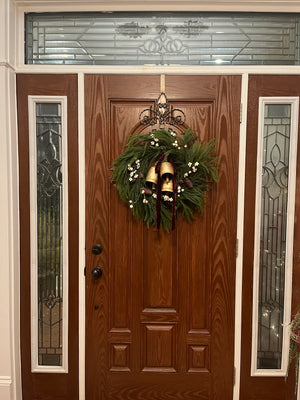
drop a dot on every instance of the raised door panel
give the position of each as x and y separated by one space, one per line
120 357
198 358
159 348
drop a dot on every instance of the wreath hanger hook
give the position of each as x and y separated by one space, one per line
163 113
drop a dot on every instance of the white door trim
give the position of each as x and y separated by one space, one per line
81 201
32 102
240 237
292 168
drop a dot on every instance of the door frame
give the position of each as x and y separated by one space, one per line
240 225
240 207
13 20
12 61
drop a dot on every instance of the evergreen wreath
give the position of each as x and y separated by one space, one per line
162 173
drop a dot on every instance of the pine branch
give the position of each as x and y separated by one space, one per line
196 166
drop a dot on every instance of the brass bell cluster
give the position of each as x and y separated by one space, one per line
151 178
166 173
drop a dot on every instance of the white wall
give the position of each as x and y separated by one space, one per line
9 244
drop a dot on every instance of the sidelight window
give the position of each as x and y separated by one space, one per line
274 228
49 238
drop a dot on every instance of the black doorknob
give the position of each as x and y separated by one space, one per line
97 273
97 249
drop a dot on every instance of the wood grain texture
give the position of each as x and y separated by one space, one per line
35 385
169 298
120 357
258 388
198 358
159 348
160 279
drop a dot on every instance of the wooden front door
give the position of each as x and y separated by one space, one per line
160 320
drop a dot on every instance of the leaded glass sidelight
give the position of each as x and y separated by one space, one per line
274 231
48 235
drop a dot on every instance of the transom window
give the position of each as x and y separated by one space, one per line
162 38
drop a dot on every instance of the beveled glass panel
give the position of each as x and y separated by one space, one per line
273 231
49 233
162 38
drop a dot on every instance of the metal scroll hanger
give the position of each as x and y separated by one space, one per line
163 113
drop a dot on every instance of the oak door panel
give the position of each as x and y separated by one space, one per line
160 321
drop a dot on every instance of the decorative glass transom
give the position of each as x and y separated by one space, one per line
162 38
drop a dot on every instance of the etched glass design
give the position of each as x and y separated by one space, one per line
49 233
273 230
162 38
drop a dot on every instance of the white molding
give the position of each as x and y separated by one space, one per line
12 29
81 278
32 101
9 275
5 381
156 5
20 37
147 69
10 364
6 388
7 65
24 6
4 21
240 238
294 101
7 32
159 69
14 233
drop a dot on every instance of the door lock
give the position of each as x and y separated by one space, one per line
97 249
97 273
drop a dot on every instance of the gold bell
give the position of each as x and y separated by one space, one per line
166 171
151 178
167 188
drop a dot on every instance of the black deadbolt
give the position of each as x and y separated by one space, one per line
97 273
97 249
